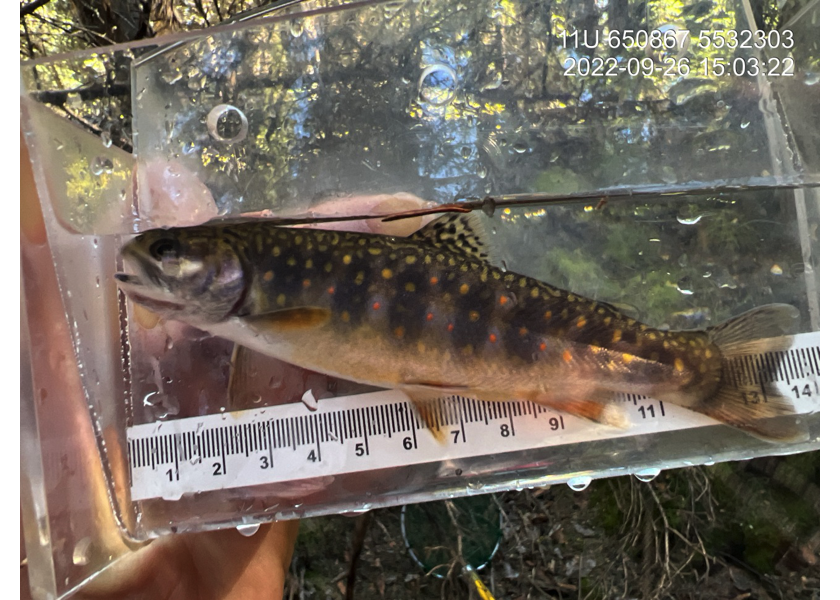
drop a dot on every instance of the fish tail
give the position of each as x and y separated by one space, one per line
758 408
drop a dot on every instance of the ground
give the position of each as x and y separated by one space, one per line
735 531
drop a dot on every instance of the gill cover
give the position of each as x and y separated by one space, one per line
194 274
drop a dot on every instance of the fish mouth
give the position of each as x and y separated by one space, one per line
155 300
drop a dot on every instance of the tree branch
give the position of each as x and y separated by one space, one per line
28 9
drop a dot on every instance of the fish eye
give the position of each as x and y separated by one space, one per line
160 248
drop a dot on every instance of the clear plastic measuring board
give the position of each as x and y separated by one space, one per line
380 430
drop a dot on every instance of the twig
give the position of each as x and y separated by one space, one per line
28 9
359 534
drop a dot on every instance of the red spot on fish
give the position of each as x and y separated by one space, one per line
429 316
567 356
450 327
433 280
493 338
306 283
542 346
503 300
376 305
331 290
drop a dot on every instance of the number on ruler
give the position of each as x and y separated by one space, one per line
312 456
651 410
556 423
805 391
505 430
455 435
361 450
263 462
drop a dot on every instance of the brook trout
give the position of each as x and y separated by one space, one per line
430 315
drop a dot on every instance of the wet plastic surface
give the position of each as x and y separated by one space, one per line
376 107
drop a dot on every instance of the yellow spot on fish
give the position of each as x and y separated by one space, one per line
427 259
652 335
483 276
440 257
399 332
308 263
291 262
276 251
627 357
601 311
387 273
703 368
410 259
375 251
617 335
643 327
509 278
567 356
523 282
607 320
452 262
345 316
467 350
654 356
535 292
281 300
581 322
421 347
497 275
708 353
666 344
360 277
474 315
692 343
346 259
679 365
410 287
328 267
572 298
298 239
268 276
465 268
464 288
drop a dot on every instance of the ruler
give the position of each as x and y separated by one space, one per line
380 430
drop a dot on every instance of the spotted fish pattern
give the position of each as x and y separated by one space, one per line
430 313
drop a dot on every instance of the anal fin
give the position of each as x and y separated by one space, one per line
601 409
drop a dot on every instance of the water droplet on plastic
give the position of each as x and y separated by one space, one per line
481 172
437 84
105 136
647 475
466 152
309 400
745 124
579 483
776 270
81 552
494 83
689 220
296 28
100 165
249 529
520 148
226 123
812 78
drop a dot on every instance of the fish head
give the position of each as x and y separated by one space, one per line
195 274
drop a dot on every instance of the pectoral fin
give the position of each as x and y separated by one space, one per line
293 319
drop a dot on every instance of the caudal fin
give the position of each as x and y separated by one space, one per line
748 396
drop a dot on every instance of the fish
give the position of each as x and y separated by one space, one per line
430 315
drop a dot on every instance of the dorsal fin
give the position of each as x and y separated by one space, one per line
459 233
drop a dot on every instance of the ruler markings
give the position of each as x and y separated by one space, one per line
166 457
